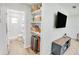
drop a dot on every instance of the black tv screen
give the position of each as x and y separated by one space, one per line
61 20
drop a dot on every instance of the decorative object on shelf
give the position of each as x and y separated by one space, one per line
35 43
37 18
33 19
36 7
36 28
77 36
65 35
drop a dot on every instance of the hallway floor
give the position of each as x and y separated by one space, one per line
16 48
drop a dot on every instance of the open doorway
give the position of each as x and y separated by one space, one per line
15 29
15 24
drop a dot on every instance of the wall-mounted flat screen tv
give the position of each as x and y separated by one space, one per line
60 20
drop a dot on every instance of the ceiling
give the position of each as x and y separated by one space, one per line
69 8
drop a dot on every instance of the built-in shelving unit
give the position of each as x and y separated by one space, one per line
36 27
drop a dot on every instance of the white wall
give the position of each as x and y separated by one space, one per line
3 41
73 26
49 33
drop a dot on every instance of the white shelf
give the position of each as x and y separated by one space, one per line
37 11
39 22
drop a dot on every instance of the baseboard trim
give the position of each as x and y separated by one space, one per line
27 46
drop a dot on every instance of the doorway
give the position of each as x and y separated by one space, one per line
15 27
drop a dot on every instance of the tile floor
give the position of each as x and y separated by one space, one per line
16 48
74 48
